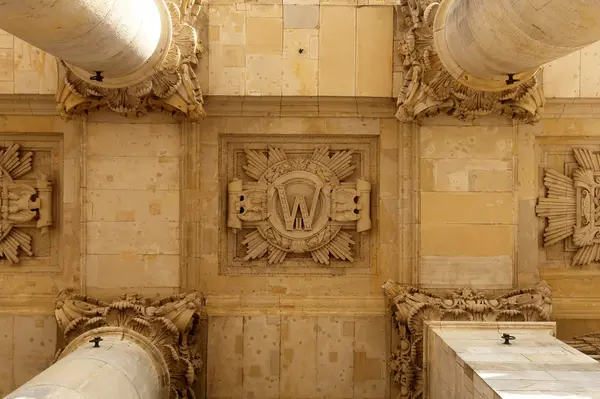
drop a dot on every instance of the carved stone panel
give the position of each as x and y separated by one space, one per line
297 207
27 204
569 203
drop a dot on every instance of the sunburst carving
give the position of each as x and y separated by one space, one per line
572 207
299 205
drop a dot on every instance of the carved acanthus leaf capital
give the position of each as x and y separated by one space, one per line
169 324
428 89
172 87
411 307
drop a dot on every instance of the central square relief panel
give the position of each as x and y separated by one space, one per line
297 205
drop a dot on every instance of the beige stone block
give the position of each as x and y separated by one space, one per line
264 10
225 81
374 39
302 2
264 75
36 72
7 87
337 51
485 272
562 77
225 353
491 180
138 173
465 175
133 206
370 351
233 56
6 41
264 35
443 207
133 140
115 238
34 346
261 357
130 270
300 77
6 375
6 337
298 357
466 240
335 362
475 142
300 16
6 65
229 24
590 76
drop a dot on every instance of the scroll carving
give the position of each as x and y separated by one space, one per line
23 203
299 205
572 207
172 88
170 324
428 89
412 306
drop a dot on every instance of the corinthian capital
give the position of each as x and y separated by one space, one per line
166 82
411 307
166 329
429 88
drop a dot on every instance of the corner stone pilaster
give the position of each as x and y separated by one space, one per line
428 89
166 329
411 307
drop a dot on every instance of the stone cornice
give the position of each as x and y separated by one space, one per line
367 107
223 305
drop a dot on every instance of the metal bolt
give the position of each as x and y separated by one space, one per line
507 338
96 342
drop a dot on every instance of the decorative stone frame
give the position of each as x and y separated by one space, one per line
232 159
34 281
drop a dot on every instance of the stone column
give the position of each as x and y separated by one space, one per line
481 42
412 307
129 56
115 37
130 348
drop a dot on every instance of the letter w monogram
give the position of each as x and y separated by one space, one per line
291 221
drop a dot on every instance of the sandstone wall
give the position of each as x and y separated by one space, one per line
141 206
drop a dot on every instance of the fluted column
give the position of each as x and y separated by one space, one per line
482 42
130 348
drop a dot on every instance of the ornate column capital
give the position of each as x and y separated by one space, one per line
166 83
411 307
166 328
430 89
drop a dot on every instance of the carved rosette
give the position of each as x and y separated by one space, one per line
169 324
172 88
24 203
299 205
411 307
572 207
428 89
